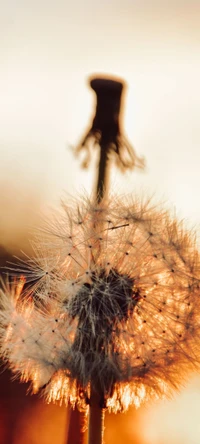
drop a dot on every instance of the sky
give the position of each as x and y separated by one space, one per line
48 50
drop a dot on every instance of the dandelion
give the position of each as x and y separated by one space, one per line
110 313
107 132
118 318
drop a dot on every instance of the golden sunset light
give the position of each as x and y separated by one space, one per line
48 51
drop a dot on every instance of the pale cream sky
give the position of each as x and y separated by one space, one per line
47 51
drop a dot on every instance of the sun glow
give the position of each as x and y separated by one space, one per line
126 395
62 390
20 286
34 374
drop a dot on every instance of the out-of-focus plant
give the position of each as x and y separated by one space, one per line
106 133
110 316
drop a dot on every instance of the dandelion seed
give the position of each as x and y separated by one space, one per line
119 312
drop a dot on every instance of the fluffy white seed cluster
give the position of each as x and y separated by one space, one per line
112 301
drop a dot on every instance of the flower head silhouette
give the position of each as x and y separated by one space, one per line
106 129
112 303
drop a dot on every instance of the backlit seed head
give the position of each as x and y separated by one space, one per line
112 302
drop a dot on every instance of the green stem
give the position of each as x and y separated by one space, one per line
96 420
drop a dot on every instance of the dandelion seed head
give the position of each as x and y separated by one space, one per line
119 311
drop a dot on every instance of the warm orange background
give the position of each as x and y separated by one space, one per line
47 51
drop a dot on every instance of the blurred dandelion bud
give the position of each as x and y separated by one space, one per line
106 130
113 310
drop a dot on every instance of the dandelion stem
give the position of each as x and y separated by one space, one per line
102 182
96 413
96 419
76 426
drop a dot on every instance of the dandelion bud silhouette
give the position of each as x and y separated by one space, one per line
112 308
106 129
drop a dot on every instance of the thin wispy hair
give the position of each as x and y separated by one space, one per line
112 302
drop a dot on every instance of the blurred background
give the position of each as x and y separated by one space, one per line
47 51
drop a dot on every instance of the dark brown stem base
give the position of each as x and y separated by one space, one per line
96 420
76 423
